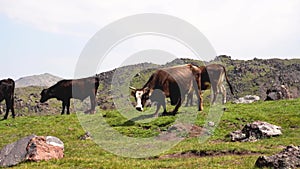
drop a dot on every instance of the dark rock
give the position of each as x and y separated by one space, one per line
256 130
14 153
278 93
286 159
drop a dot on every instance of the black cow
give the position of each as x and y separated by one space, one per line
80 89
7 88
173 82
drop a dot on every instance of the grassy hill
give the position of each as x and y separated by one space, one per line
247 77
217 151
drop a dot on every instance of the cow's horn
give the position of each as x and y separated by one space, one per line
132 88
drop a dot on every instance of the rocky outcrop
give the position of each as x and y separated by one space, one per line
256 130
256 76
287 159
32 148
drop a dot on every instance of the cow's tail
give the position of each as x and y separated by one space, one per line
12 82
230 87
97 82
12 90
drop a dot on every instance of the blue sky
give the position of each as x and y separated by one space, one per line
47 37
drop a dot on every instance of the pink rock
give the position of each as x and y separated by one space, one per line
38 149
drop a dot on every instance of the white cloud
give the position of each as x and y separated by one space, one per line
239 28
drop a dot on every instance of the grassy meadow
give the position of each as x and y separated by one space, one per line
217 151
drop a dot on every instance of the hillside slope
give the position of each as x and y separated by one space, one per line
252 77
258 75
247 77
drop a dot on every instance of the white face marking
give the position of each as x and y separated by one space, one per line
138 96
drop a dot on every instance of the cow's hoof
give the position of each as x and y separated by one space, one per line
164 114
173 114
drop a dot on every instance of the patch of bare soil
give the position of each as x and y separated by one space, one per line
203 153
181 131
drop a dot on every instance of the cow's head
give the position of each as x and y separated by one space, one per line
141 96
46 94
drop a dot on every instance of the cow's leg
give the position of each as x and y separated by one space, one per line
157 109
9 106
164 107
215 90
7 102
190 98
179 102
12 107
223 90
63 107
68 106
93 103
197 87
165 113
6 113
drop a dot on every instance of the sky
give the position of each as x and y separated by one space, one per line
49 36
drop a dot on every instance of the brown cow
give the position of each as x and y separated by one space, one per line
80 89
173 82
212 75
7 88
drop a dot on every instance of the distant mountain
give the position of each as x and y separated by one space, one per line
45 79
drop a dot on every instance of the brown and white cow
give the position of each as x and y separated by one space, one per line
80 89
174 83
212 76
7 88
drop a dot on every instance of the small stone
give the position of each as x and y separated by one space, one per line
211 124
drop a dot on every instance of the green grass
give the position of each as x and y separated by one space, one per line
87 154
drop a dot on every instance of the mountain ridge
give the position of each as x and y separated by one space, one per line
45 80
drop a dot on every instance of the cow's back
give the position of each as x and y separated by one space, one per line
175 82
85 87
62 89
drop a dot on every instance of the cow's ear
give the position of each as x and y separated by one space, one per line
146 90
133 93
133 90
